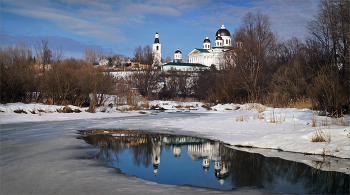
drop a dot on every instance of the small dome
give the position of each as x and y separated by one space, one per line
206 40
178 51
218 38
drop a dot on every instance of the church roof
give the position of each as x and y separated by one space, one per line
178 51
202 50
206 40
184 64
223 31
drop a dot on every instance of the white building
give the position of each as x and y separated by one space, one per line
211 55
178 65
157 51
177 55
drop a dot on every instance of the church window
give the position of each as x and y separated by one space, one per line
157 47
226 41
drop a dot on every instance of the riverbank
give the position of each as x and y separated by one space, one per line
250 125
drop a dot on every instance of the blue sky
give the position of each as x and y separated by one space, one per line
122 25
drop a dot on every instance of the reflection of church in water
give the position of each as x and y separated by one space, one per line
210 152
207 151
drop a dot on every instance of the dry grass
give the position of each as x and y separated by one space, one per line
242 118
344 122
275 119
66 109
320 136
314 120
178 106
260 109
301 103
156 107
259 116
339 121
207 106
145 105
325 122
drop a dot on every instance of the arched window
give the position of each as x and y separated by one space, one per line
226 41
157 47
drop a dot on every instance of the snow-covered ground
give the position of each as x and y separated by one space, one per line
40 153
252 125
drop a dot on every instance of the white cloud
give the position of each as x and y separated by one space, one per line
289 17
69 21
150 9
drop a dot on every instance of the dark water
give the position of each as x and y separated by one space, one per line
184 160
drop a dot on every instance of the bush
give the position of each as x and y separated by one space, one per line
17 73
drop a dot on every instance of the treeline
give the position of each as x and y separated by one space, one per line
264 69
61 82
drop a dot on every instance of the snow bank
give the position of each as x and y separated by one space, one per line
255 125
40 112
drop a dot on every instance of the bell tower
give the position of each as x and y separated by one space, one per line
157 51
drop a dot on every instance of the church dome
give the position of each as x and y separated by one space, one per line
178 51
223 31
218 38
206 40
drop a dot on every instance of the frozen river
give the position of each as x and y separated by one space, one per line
47 157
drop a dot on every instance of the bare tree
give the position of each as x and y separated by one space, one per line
17 74
90 55
46 54
329 43
144 77
253 58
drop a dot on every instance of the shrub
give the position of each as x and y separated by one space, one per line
20 111
92 108
66 109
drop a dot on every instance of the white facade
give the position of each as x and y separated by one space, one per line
211 55
157 50
177 55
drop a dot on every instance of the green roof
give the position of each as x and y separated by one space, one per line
184 64
202 50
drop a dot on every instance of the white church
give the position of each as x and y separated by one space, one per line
199 58
209 55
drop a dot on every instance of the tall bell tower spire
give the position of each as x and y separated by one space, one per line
157 51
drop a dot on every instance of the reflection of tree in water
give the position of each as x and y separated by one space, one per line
105 143
255 170
140 145
142 151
